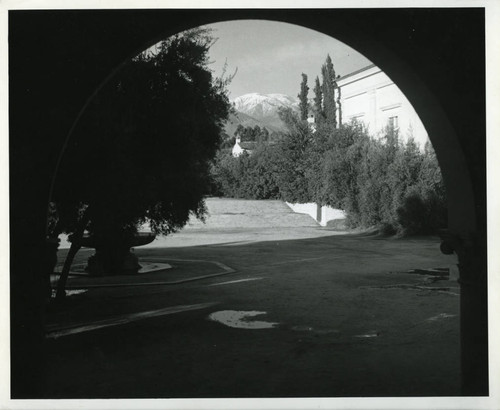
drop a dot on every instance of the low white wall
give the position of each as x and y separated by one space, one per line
329 214
310 209
325 213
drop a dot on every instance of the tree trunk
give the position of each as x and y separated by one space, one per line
76 244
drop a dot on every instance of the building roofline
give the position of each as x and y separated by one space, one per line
356 72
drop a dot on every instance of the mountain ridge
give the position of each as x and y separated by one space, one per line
260 109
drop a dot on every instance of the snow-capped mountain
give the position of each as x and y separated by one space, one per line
264 107
245 120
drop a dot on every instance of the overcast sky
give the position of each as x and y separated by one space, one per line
271 56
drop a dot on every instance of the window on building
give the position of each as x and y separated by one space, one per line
393 122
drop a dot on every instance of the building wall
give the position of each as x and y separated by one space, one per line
370 96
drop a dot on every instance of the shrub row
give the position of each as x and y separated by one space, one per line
378 182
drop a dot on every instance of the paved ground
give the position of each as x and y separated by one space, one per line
346 318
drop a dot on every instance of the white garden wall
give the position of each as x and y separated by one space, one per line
321 214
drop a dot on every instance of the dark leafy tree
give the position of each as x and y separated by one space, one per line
293 160
227 141
247 176
423 208
303 101
255 133
240 131
340 164
141 151
264 135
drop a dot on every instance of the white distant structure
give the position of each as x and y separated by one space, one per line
311 121
368 95
241 147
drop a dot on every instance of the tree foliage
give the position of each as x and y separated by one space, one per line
293 158
303 101
156 123
328 88
254 134
141 150
247 176
318 101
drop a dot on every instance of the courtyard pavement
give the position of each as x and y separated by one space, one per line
284 309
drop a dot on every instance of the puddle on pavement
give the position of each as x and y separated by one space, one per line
240 319
70 292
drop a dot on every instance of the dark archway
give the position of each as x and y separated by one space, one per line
58 58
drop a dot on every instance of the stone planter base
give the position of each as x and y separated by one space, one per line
129 265
115 259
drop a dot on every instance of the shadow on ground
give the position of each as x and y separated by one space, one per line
352 318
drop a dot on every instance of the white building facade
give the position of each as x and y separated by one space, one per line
369 96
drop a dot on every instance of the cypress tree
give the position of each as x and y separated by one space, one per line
303 102
318 101
329 86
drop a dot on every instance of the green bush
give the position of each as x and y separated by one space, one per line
247 176
382 182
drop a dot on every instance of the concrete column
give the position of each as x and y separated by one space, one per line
472 257
29 295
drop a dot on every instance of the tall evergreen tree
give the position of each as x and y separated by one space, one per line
303 102
318 101
329 86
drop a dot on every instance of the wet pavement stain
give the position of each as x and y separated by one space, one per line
431 274
241 319
427 284
70 292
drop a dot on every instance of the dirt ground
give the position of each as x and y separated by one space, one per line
355 316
